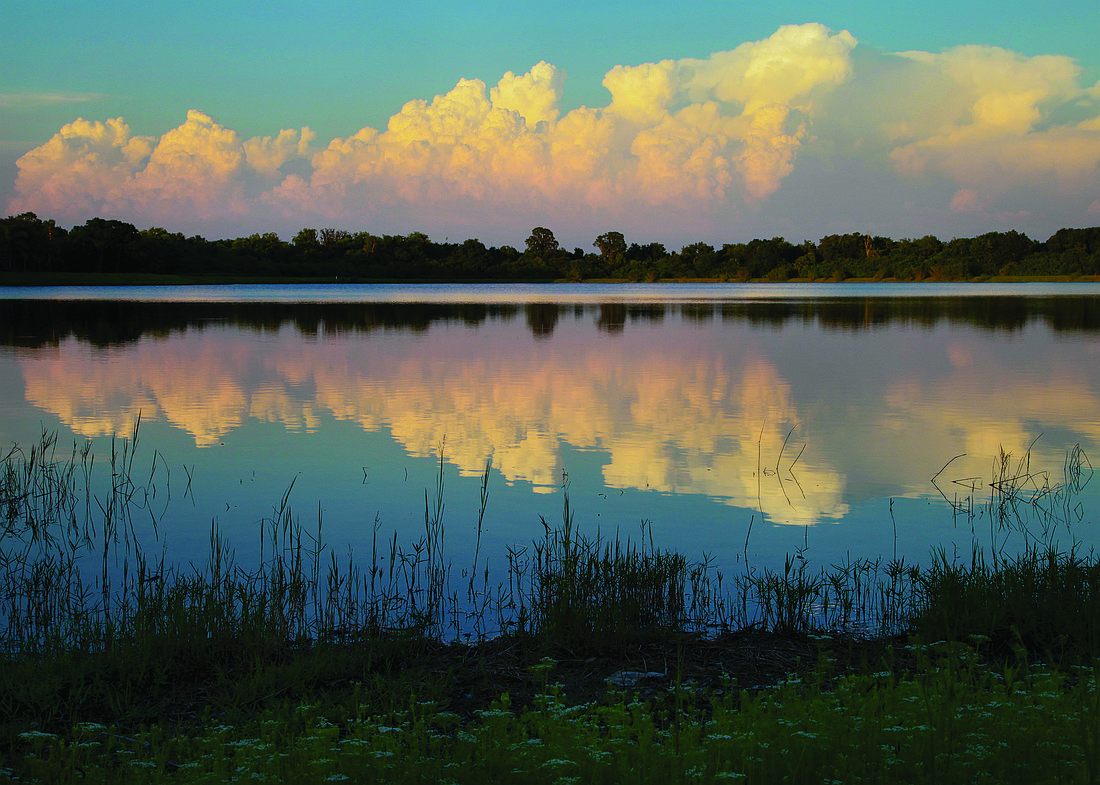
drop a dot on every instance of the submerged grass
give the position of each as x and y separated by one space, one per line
307 667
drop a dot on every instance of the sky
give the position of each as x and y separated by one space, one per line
719 122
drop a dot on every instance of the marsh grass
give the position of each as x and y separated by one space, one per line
587 592
1043 600
119 664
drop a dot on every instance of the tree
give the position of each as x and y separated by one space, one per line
542 242
612 247
834 249
306 238
470 259
159 251
27 242
651 252
330 237
107 241
699 259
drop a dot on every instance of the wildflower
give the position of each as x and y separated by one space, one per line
36 734
557 762
90 727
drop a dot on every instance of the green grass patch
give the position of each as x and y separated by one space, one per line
949 720
590 661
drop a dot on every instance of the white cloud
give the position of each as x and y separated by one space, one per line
726 129
995 130
697 141
85 169
535 96
266 155
194 167
199 169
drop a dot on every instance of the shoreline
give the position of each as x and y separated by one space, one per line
20 280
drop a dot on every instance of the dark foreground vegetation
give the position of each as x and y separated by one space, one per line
31 248
590 661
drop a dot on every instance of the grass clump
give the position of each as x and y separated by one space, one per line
589 593
1045 601
593 660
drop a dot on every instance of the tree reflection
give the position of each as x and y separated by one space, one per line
542 318
612 318
102 323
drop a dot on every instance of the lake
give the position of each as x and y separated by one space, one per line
744 422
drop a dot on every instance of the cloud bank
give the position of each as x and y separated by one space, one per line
691 142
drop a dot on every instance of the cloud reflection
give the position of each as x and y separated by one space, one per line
743 415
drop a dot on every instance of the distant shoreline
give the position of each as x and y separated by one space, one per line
149 279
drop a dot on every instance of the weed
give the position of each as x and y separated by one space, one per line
306 666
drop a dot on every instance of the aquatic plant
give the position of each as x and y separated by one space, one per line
305 666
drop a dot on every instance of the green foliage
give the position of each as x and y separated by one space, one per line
32 245
1047 601
542 242
612 248
951 719
589 594
306 668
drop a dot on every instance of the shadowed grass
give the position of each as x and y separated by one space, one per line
951 719
1045 601
140 645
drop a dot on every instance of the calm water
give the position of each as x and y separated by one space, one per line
739 420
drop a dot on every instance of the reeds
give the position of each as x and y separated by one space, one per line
569 587
1046 601
97 634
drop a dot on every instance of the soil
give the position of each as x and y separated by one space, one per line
747 660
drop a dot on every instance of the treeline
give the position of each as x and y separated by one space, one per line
29 244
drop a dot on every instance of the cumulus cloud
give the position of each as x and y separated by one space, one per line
696 139
87 168
199 169
726 128
994 129
195 166
268 154
535 96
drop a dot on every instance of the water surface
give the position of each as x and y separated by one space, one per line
741 421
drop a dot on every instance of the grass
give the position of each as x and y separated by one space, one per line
949 720
591 660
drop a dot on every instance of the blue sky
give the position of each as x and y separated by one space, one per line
801 158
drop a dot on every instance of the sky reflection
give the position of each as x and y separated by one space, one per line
792 419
